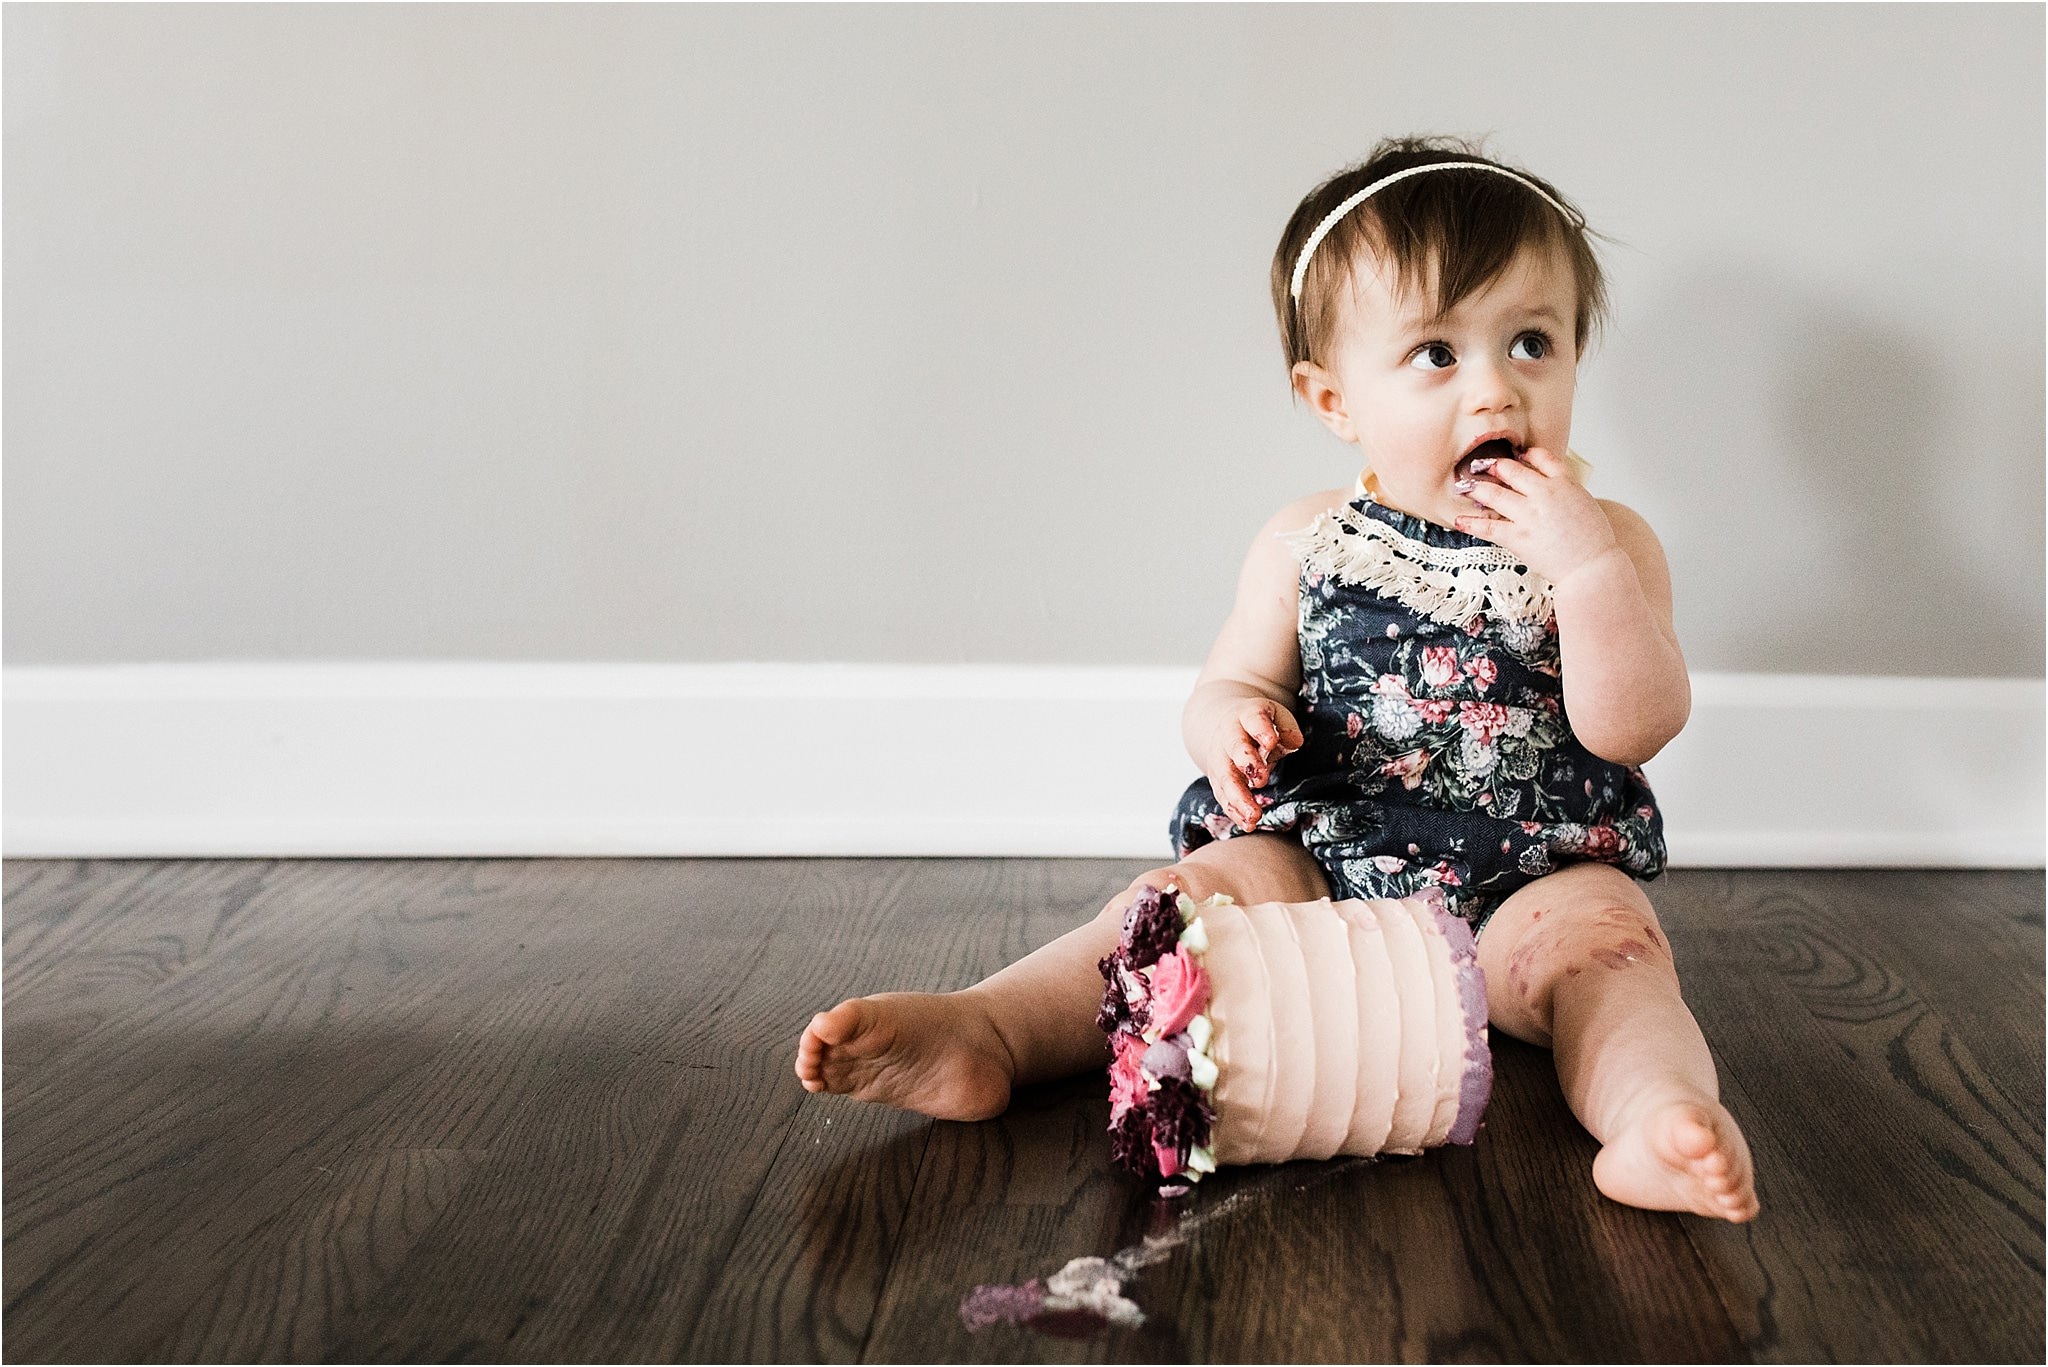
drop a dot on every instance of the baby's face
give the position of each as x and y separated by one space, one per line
1419 398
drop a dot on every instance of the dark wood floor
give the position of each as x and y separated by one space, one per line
543 1109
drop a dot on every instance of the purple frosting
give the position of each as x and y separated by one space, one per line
988 1305
1475 1088
1169 1058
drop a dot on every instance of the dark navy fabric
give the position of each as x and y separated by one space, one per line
1436 754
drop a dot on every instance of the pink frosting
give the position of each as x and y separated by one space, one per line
1180 989
1169 1161
1126 1083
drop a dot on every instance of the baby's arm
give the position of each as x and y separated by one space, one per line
1626 690
1240 718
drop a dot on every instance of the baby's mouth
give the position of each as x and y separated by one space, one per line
1500 448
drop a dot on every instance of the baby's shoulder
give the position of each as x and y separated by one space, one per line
1273 565
1302 513
1631 530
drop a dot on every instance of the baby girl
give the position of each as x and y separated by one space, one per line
1448 675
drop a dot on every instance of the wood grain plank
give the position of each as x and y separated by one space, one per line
643 1116
212 1103
322 1255
1901 1187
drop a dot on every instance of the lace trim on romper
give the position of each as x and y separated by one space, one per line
1448 584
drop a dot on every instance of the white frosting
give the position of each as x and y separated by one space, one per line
1450 1023
1379 1030
1295 1042
1415 1105
1241 1042
1337 1028
1333 1006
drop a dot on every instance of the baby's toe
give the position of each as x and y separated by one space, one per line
841 1023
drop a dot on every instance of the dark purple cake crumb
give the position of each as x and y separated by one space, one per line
1130 1144
1115 1014
1181 1118
1152 926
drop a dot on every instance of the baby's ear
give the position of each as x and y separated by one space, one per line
1318 388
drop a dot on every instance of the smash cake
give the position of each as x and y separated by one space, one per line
1284 1030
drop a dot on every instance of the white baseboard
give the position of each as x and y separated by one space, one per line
283 760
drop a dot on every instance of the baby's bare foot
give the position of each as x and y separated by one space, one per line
1682 1151
934 1053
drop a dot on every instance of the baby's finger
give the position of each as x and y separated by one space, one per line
1485 528
1236 799
1545 461
1290 734
1498 500
1517 474
1258 724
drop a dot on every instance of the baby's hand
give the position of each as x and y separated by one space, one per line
1250 739
1538 511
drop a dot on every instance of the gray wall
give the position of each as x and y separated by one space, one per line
941 333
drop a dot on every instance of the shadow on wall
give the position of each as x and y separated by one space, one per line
1825 522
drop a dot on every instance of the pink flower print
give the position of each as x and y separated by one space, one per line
1408 768
1602 842
1475 624
1219 825
1548 704
1393 629
1484 799
1127 1085
1646 812
1391 686
1446 874
1439 666
1353 724
1180 989
1483 720
1436 711
1389 863
1482 672
1530 827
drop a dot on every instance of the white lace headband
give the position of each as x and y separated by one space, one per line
1323 229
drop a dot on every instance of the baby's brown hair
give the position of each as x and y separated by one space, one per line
1462 228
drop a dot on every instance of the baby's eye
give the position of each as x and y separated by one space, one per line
1538 342
1432 356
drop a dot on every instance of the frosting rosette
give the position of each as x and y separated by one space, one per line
1160 1075
1263 1033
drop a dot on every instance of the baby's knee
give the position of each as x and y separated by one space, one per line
1567 943
1190 880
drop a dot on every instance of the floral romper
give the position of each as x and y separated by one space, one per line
1435 751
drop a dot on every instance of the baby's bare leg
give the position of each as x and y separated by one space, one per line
956 1055
1577 961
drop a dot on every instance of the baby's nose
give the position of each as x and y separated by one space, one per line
1489 387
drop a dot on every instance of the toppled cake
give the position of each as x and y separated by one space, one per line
1287 1030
